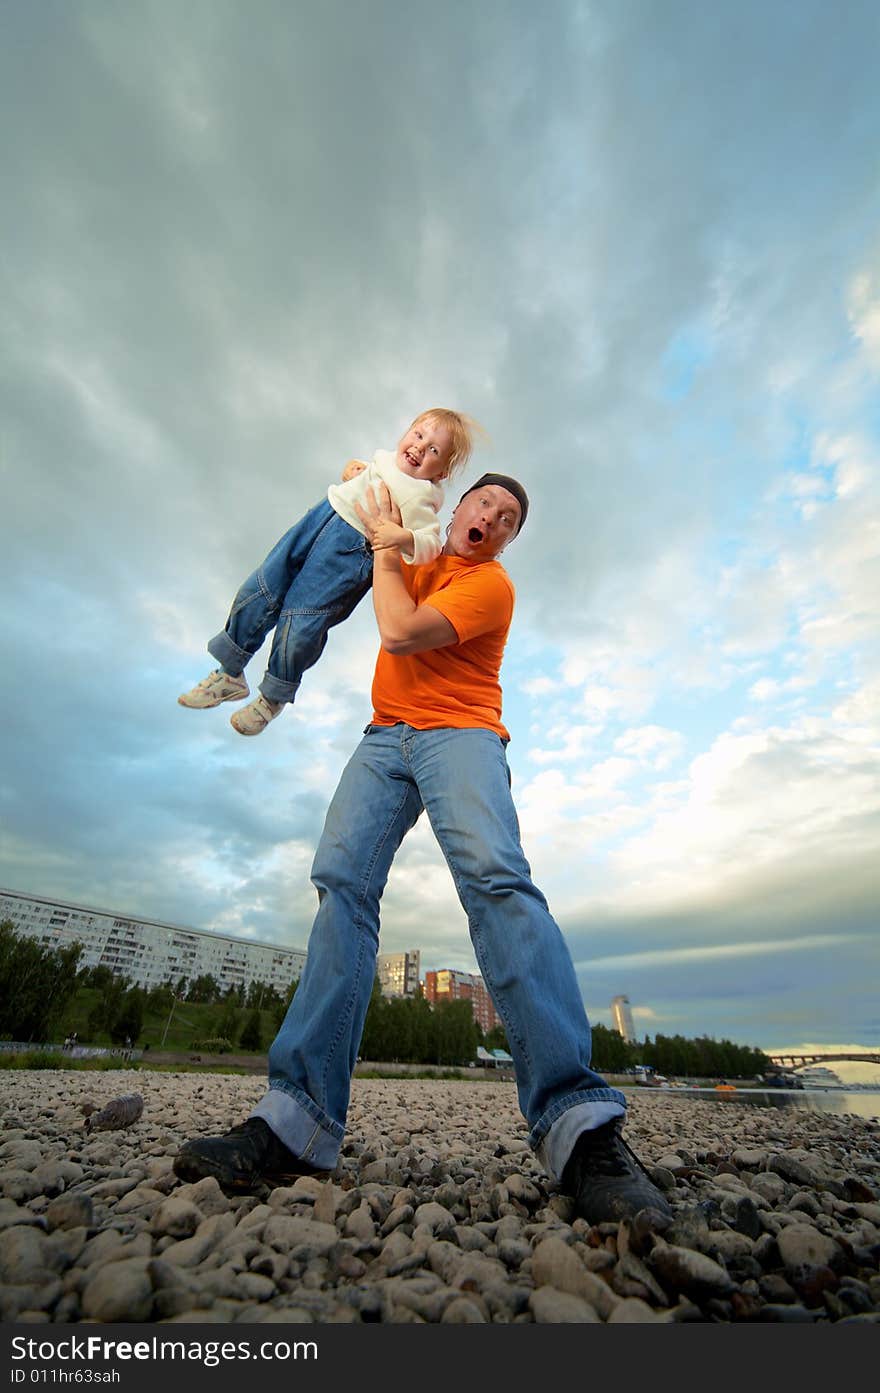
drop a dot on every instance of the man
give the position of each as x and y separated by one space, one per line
436 742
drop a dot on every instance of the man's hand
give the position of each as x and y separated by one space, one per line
379 511
353 467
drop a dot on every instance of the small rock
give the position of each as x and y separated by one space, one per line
462 1311
70 1212
692 1273
632 1311
121 1292
435 1217
177 1217
552 1307
802 1246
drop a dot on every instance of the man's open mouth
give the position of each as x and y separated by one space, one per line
475 535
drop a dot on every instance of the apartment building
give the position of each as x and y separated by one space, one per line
148 951
450 985
399 973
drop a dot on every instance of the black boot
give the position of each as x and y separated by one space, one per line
242 1159
607 1179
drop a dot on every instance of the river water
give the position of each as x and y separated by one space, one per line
861 1102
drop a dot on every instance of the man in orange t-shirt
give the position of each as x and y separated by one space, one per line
436 743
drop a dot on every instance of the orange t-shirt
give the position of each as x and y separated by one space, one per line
457 685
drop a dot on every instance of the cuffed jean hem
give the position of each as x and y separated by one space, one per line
231 658
301 1125
556 1148
275 689
556 1132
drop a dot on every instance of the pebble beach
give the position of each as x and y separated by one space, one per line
437 1212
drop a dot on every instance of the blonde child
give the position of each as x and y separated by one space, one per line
320 570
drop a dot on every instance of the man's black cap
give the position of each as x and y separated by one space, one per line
504 481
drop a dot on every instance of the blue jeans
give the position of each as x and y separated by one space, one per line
312 579
461 778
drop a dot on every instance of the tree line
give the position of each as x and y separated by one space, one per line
38 985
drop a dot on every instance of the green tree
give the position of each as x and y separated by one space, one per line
36 984
497 1039
98 977
610 1052
225 1024
107 1008
205 990
160 998
280 1008
129 1020
252 1034
263 996
456 1036
373 1040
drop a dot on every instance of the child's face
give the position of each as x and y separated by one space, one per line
425 450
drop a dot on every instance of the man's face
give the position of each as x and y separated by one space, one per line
425 450
484 522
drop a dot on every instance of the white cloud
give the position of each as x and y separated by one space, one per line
716 952
864 315
652 745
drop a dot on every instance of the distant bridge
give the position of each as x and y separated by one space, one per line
800 1061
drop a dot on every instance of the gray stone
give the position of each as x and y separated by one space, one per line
434 1217
54 1176
21 1155
550 1306
303 1238
555 1264
121 1292
802 1246
360 1224
27 1254
692 1273
633 1311
798 1166
769 1185
70 1212
206 1195
462 1311
19 1185
178 1217
189 1252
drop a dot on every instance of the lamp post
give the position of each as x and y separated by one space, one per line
174 1001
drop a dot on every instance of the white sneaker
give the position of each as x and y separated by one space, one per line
214 689
253 718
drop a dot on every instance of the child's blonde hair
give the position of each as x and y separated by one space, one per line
462 429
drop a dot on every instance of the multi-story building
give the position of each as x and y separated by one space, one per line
399 973
621 1014
450 985
147 951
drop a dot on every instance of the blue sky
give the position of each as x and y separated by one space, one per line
639 243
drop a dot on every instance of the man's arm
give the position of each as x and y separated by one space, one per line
404 626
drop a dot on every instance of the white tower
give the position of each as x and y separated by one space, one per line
622 1017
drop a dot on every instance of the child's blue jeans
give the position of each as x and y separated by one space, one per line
313 578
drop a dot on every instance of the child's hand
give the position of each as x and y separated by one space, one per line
353 467
381 519
387 534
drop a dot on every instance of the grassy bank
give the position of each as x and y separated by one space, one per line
189 1021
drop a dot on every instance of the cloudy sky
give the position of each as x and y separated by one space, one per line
640 242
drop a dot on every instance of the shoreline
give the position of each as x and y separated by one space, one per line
437 1212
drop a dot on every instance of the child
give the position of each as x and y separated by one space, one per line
320 570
